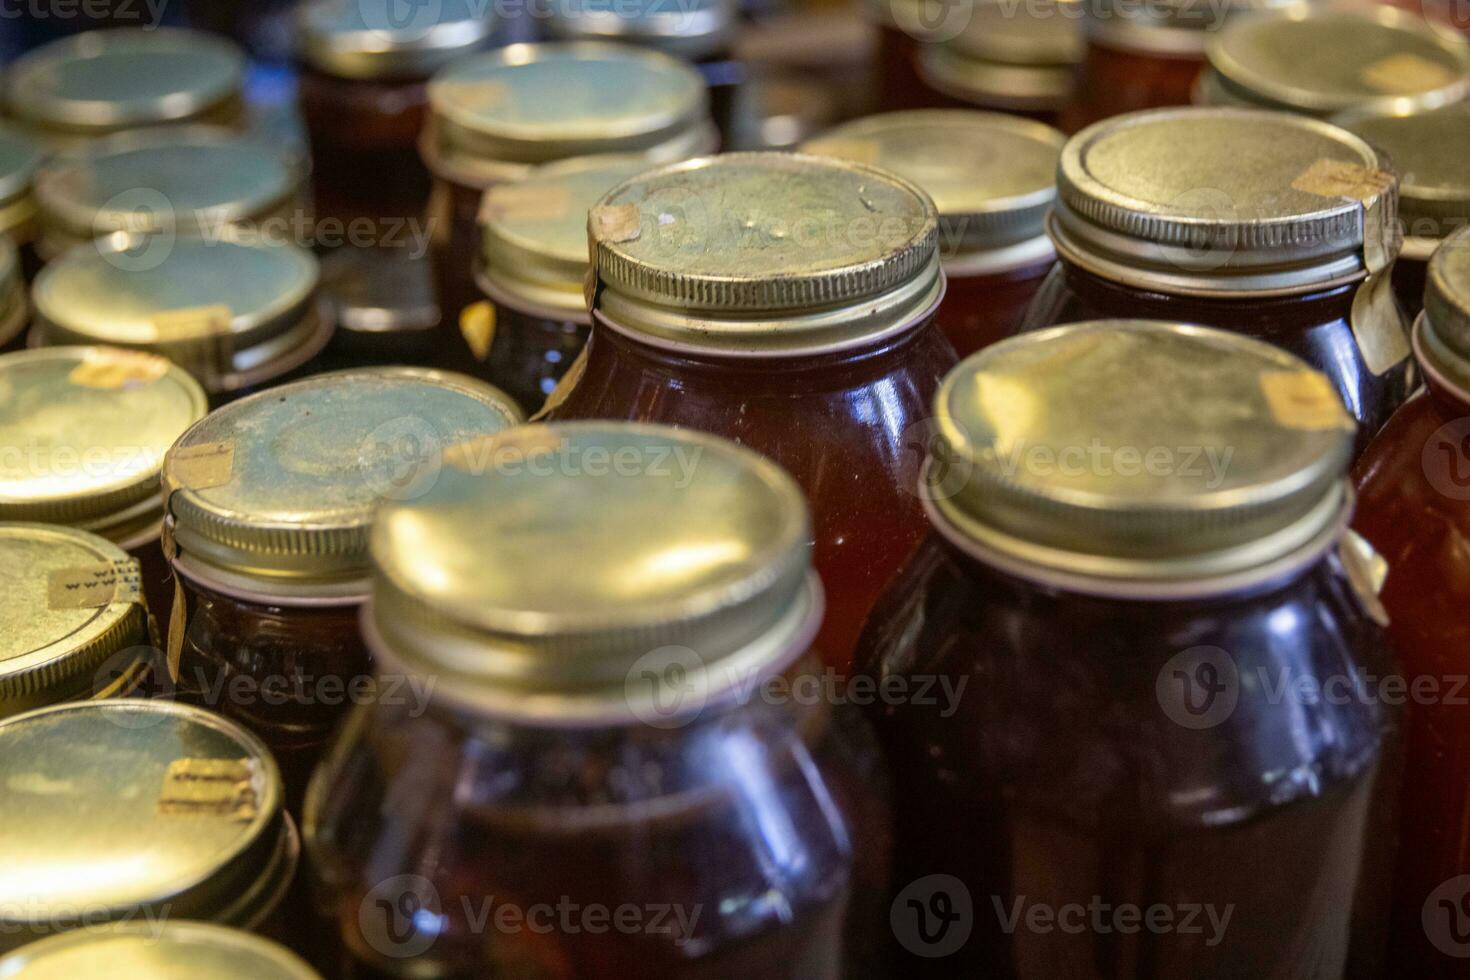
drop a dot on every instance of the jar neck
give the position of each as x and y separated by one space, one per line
1090 284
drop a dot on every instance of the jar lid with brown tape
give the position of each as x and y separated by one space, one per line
20 158
352 39
692 29
167 811
157 951
1008 56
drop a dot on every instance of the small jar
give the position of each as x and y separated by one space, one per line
269 503
1319 60
100 82
903 26
137 811
236 315
73 623
533 267
156 951
608 734
1006 57
496 115
20 158
15 306
993 178
363 89
199 180
1157 218
1138 588
786 302
84 431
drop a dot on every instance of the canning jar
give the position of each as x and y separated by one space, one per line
84 431
73 622
993 178
201 181
1156 217
1005 56
496 115
15 306
100 82
1322 59
160 951
611 744
363 90
786 302
138 811
1156 655
902 27
533 267
236 315
269 503
20 158
1414 484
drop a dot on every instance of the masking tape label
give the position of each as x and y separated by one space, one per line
616 223
477 325
210 788
1339 178
94 586
513 202
474 95
111 368
192 323
1304 400
861 151
563 389
199 467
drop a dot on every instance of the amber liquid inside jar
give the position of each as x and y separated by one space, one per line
1112 81
980 310
529 355
897 84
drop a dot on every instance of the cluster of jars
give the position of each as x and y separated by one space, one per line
955 548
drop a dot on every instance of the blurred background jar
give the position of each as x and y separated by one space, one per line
86 429
1139 544
269 501
15 305
993 178
73 624
533 270
20 158
786 302
236 315
1156 218
135 951
607 729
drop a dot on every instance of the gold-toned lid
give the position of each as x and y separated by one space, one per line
992 176
1445 332
534 232
692 29
20 158
1224 200
1137 450
104 81
372 39
223 310
1428 150
122 809
284 484
765 254
88 428
69 602
519 577
1178 28
1008 56
1321 59
156 951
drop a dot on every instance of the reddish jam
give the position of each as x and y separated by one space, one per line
1112 81
978 311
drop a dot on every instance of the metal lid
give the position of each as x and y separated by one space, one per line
692 29
1224 200
1446 325
517 575
226 311
69 601
1322 59
1179 28
114 810
765 254
535 103
191 180
1137 450
103 81
156 951
14 304
535 232
1007 56
1428 150
284 484
368 39
20 158
992 176
87 429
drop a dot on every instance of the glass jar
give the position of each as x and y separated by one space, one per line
1157 218
496 115
1012 58
993 178
902 27
137 811
15 307
269 503
157 951
189 180
88 85
20 158
1137 579
236 315
533 267
1321 59
84 431
364 97
1415 509
608 735
73 622
786 302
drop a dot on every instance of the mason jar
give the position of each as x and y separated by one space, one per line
20 158
15 306
135 951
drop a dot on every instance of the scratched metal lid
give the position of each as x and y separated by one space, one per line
1008 56
122 809
692 29
156 951
1224 200
1179 28
370 39
20 158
